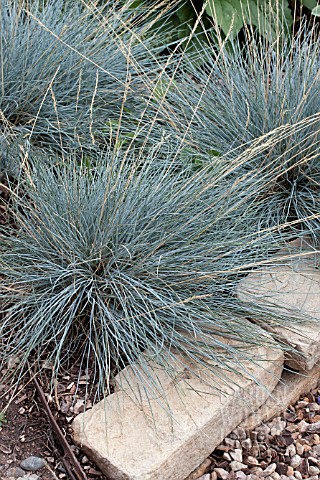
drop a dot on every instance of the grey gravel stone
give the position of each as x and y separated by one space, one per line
32 463
316 450
236 455
246 444
15 472
314 470
235 466
314 427
240 475
302 426
295 461
299 448
275 476
269 470
277 426
291 450
222 473
240 432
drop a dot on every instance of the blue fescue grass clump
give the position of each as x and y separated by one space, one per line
239 91
127 257
67 70
240 95
284 187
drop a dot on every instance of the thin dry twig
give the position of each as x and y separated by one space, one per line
69 460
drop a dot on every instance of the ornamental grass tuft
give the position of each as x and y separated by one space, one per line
67 70
129 261
242 93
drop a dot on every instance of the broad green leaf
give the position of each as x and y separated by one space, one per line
251 12
316 11
309 3
266 19
228 15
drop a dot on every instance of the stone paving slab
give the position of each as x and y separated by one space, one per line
132 440
291 386
290 288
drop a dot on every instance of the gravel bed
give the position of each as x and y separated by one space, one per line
285 448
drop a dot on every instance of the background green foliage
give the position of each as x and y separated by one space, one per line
178 18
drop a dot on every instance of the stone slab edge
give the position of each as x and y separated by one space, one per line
287 392
119 435
300 292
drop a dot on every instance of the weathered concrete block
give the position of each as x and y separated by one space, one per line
131 440
291 288
287 392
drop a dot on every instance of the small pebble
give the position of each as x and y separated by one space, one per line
15 472
315 439
316 449
240 475
229 441
222 473
299 448
290 471
254 451
263 429
236 455
235 466
32 463
314 470
269 470
295 461
313 427
257 471
291 450
277 426
302 426
246 444
241 433
275 476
